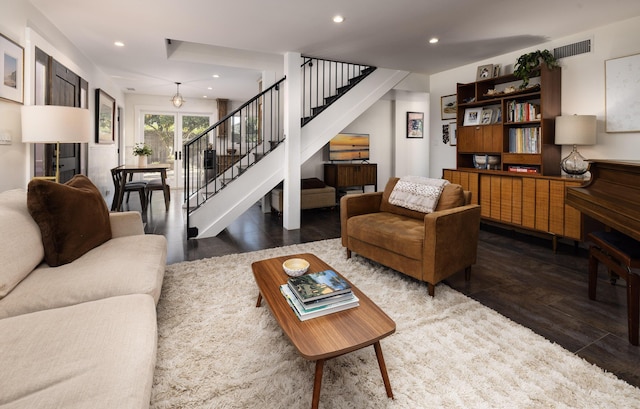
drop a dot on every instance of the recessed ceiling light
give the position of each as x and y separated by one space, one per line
215 76
204 96
433 40
209 88
338 19
118 44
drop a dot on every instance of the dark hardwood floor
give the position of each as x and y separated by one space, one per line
517 275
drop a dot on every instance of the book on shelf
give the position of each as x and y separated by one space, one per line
316 286
305 313
525 140
523 169
523 111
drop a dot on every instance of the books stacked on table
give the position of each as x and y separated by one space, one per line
317 294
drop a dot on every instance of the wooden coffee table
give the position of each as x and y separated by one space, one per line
329 336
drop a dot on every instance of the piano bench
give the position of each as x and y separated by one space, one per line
619 253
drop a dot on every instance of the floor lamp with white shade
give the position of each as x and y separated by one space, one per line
55 124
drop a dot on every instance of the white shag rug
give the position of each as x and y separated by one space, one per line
217 350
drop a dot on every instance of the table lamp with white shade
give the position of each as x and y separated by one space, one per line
575 130
55 124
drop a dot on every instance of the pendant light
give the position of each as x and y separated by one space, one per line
177 99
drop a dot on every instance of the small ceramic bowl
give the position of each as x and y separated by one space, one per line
295 267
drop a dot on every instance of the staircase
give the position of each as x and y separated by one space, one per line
251 140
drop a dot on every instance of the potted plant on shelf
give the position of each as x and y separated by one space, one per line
527 63
142 151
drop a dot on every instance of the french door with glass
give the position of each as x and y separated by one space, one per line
165 133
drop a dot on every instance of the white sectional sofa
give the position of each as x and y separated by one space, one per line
82 334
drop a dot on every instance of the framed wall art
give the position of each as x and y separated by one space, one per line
453 134
448 107
622 94
415 124
12 70
105 117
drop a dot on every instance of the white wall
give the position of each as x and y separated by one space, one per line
385 122
29 28
583 86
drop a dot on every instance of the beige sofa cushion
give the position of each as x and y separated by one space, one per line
22 249
93 355
123 265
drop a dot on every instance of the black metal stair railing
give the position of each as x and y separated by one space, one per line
227 148
324 81
239 140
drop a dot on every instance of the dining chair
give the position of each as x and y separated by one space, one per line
156 184
133 186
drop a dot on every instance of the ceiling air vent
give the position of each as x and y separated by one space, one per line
581 47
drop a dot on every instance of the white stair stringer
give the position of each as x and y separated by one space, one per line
225 206
237 197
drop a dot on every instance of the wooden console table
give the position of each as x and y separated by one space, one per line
345 175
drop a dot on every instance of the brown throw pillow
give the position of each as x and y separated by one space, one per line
452 196
73 217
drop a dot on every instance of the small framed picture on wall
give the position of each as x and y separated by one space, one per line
415 124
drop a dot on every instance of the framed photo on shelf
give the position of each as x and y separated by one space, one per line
487 116
497 118
484 72
415 124
105 117
472 116
448 107
12 70
496 70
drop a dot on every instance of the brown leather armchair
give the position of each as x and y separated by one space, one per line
427 246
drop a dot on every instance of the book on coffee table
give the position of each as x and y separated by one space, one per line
316 286
304 313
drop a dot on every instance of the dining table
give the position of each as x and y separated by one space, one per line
127 175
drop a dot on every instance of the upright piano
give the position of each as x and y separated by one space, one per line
611 197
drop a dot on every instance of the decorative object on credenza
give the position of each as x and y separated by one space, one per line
105 117
55 124
622 94
484 72
575 130
11 70
448 107
527 63
177 100
415 124
486 162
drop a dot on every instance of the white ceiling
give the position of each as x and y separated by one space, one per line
239 39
